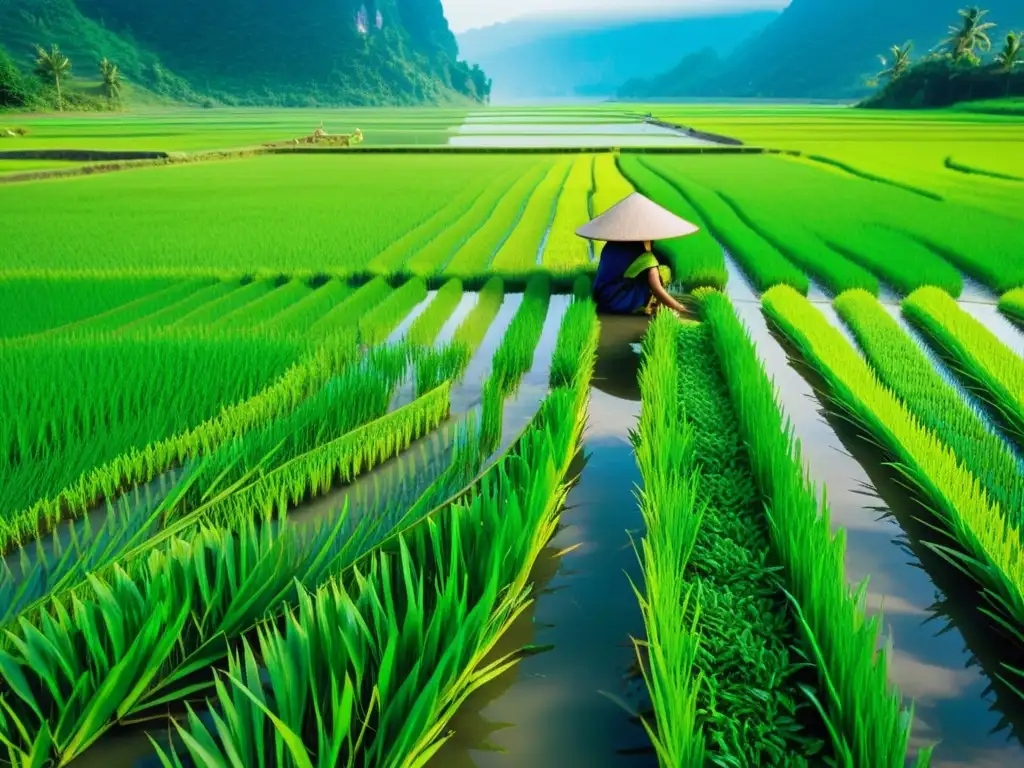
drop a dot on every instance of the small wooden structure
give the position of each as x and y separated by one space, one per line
321 137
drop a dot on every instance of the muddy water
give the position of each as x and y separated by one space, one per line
551 710
931 668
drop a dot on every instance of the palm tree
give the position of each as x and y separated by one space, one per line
110 76
900 62
53 65
970 35
1010 56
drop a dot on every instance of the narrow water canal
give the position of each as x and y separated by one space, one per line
553 708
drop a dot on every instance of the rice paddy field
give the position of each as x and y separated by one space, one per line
324 457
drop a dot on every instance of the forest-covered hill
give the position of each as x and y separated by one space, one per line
821 49
255 51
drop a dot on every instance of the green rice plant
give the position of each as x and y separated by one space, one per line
576 344
404 679
989 365
303 314
128 313
564 250
904 368
695 260
863 712
515 355
71 404
428 325
258 312
477 253
760 260
393 258
663 444
348 312
358 394
213 311
340 461
519 252
141 464
1012 304
264 215
131 641
39 303
471 332
438 364
904 263
172 312
610 186
378 323
990 547
583 287
432 257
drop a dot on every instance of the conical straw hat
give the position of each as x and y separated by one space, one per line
636 219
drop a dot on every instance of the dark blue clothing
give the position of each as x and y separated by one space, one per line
616 292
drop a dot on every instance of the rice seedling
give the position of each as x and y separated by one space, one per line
577 341
210 313
432 257
406 679
610 186
477 253
564 250
697 260
707 540
435 365
515 355
143 463
520 250
69 405
902 262
863 713
356 395
39 303
904 368
990 547
760 260
348 312
338 461
1012 304
265 214
583 287
172 312
300 316
428 325
988 364
144 635
263 309
378 323
471 332
672 516
131 311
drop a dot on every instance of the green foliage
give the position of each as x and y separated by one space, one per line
377 325
904 368
863 712
992 367
610 186
1012 304
564 250
518 253
989 546
14 92
577 342
471 332
428 325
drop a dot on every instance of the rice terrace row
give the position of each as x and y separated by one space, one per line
327 457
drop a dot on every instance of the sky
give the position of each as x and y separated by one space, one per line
466 14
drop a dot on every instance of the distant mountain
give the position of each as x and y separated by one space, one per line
567 57
827 48
255 51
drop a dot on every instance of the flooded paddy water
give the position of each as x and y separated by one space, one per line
574 135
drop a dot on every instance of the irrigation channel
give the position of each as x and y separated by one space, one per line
939 648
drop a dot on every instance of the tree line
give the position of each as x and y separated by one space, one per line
53 68
954 70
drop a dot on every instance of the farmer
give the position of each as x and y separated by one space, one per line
630 279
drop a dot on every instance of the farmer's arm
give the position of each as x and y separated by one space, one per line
663 296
